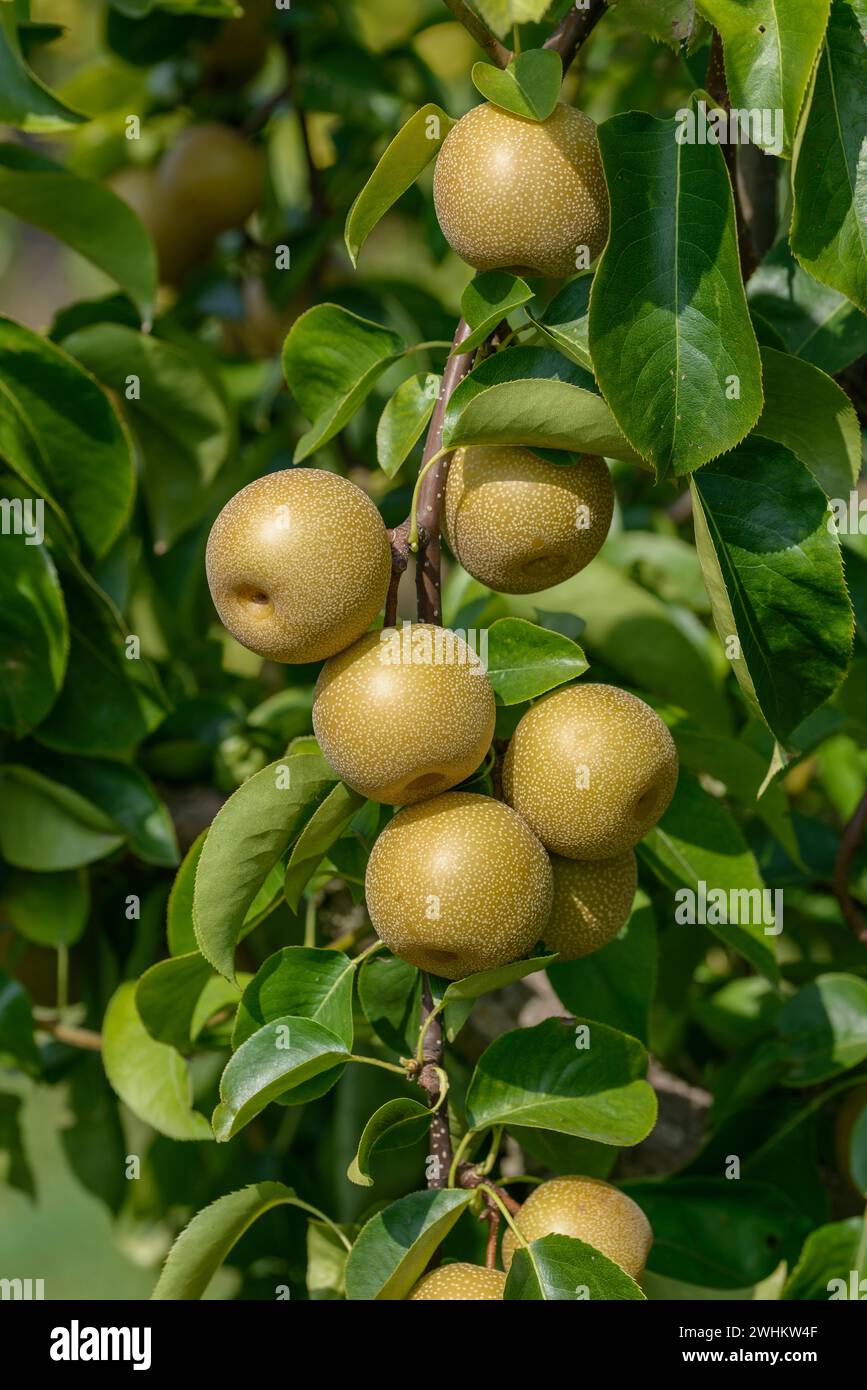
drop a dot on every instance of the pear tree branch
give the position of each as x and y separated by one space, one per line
479 30
430 1080
574 28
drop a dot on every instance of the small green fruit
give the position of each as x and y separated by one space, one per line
590 1210
592 903
213 175
591 769
298 564
519 524
514 194
459 1281
458 884
403 715
179 241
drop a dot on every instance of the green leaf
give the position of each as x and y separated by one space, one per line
524 661
34 635
111 699
705 1232
770 47
858 1151
829 175
614 985
49 910
560 1268
829 1253
94 1144
180 928
824 1029
332 360
502 15
204 1244
698 842
149 1077
15 1169
248 837
458 996
79 455
812 416
276 1059
398 1124
670 332
25 102
167 998
565 324
327 824
815 322
326 1262
529 87
395 1246
47 827
670 21
533 397
775 579
85 215
17 1043
408 155
128 799
179 420
404 419
304 981
488 299
540 1078
390 993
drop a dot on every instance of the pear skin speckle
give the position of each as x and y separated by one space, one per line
590 1210
515 194
592 903
459 1281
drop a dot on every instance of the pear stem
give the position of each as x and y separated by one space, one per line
483 36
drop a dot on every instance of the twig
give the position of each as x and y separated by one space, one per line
470 1177
440 1142
66 1033
573 29
492 1216
717 86
483 36
852 836
431 491
399 541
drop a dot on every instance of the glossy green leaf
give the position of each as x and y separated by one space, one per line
408 155
565 324
824 1029
46 909
79 454
87 216
304 981
149 1077
614 985
502 15
815 321
276 1059
327 824
674 22
390 993
829 1254
405 419
529 87
17 1044
128 798
47 827
770 48
248 837
532 396
809 414
167 998
559 1268
775 579
488 299
178 418
204 1244
25 102
459 996
34 634
670 333
398 1124
525 661
393 1249
543 1078
829 218
698 842
180 929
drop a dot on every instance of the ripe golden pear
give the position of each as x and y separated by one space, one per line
458 884
179 240
214 175
459 1281
590 1210
520 524
404 714
298 564
515 194
591 769
592 902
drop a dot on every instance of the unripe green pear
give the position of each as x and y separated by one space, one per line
590 1210
458 884
179 240
519 524
591 769
459 1281
514 194
592 903
214 175
403 715
298 564
238 49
